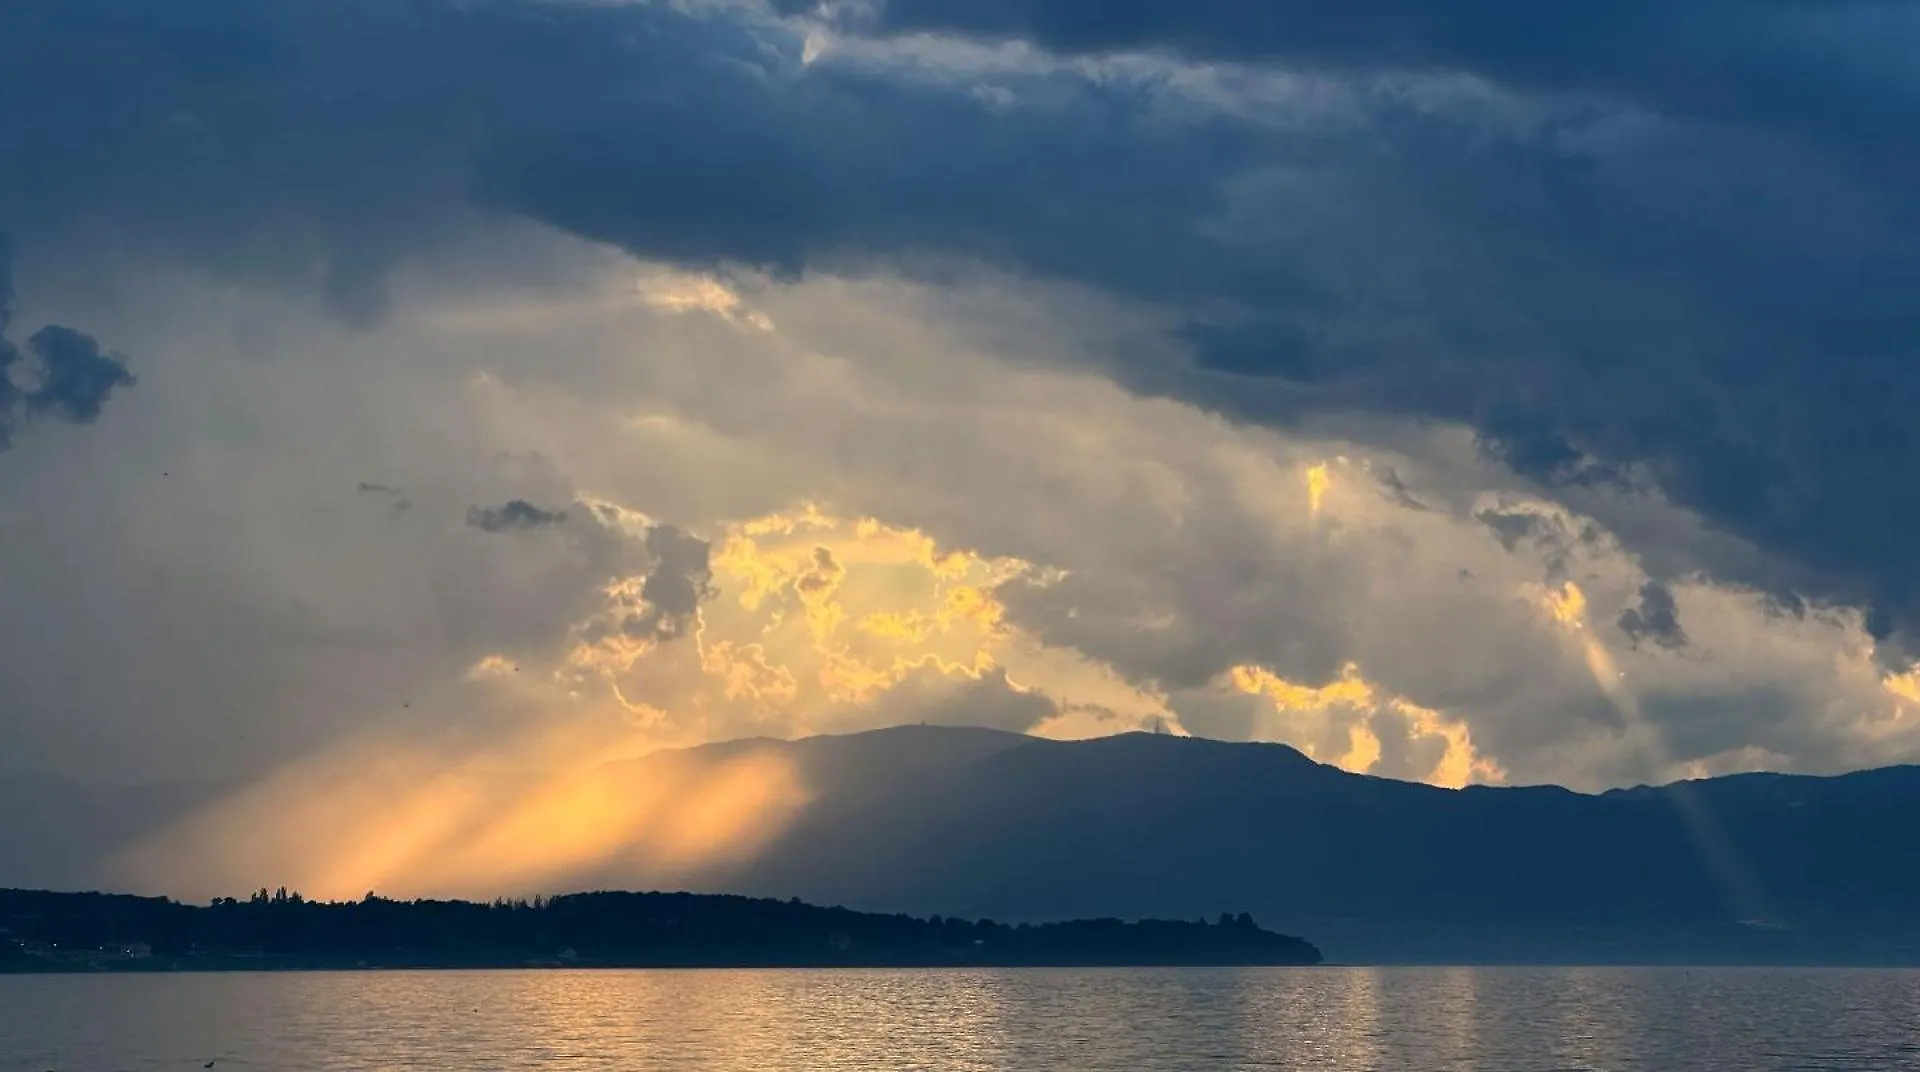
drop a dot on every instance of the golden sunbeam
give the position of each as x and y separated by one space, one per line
345 822
1567 605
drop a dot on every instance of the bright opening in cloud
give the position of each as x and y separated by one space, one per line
1308 715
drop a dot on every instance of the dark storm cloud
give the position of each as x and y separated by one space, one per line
1656 619
70 376
1676 248
1720 307
318 142
1708 279
325 139
1709 282
1808 63
515 515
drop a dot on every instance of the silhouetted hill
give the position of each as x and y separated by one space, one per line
45 931
1769 867
981 823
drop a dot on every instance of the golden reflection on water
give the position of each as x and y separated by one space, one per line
1117 1020
730 1021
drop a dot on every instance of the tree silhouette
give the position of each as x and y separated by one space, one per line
283 928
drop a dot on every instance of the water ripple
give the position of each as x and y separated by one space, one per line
1337 1019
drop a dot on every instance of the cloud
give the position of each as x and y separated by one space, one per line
803 622
396 496
1360 730
1780 61
1001 536
76 376
1507 261
1152 549
67 374
992 700
1656 619
9 354
515 515
673 589
1548 226
1055 334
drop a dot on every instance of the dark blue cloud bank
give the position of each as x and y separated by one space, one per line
1668 247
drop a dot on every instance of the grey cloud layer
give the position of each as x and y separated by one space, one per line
298 606
1670 245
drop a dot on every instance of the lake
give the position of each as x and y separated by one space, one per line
1127 1020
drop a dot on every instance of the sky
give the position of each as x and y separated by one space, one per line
1486 392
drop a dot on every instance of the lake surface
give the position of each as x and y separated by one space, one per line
1672 1020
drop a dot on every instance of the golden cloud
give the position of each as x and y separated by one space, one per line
1904 686
820 617
1567 604
1353 707
1318 481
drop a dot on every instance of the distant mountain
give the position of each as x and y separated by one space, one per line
979 823
969 822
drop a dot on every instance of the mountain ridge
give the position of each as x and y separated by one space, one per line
982 823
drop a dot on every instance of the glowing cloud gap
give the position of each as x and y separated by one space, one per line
816 623
1360 702
1904 686
1318 481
